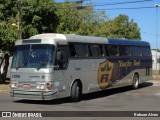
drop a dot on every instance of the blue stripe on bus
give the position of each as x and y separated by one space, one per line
127 42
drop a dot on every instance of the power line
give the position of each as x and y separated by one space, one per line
134 8
104 4
118 3
75 1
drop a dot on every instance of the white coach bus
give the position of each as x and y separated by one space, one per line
49 66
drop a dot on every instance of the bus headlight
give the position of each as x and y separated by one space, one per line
41 86
14 85
49 86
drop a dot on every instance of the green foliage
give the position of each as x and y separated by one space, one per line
121 27
82 21
46 16
7 32
38 16
88 22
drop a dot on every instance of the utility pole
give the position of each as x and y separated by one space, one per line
19 6
157 36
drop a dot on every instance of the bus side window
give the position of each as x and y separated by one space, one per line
72 50
146 51
136 51
113 50
124 50
61 58
106 50
96 50
81 50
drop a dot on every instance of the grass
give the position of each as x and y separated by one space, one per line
154 72
5 86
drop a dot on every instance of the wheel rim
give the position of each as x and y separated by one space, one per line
136 82
1 69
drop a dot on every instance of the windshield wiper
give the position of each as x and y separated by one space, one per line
41 64
22 65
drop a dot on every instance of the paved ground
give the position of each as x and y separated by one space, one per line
146 98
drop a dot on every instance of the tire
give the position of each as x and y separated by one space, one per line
4 69
3 78
135 83
2 72
75 92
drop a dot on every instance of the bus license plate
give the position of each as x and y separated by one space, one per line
26 85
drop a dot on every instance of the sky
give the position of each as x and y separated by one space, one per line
148 19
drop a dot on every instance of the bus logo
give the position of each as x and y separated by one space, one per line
104 74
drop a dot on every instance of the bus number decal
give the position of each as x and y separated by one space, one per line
104 74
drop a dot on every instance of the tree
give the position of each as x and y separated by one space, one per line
46 16
88 22
121 27
38 16
79 18
7 32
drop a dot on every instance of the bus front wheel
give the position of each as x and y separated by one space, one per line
75 92
135 83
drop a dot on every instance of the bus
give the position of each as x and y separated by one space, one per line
49 66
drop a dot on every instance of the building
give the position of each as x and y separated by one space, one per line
154 60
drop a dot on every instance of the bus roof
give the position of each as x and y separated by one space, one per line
65 38
127 42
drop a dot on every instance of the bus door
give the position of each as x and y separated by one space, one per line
61 59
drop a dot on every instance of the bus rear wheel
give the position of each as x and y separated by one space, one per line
135 83
75 92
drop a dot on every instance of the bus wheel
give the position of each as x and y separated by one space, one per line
75 92
135 83
2 75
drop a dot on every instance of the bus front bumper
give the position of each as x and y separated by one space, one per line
33 95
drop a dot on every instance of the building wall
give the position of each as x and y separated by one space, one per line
154 64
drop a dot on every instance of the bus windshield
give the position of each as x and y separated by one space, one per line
33 56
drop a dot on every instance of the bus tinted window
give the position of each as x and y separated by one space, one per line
96 51
106 50
72 50
113 50
146 51
81 50
124 50
136 51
